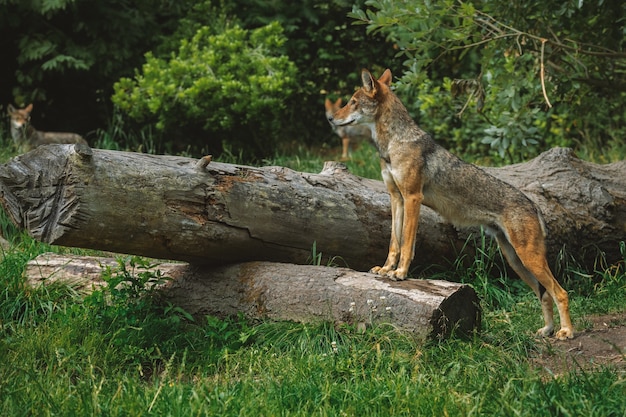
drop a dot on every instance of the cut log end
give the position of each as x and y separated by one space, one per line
458 314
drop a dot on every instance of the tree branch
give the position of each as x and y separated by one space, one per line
489 23
543 75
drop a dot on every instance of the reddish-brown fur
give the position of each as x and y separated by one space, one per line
27 137
417 171
346 133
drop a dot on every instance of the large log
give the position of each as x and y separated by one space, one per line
427 308
179 208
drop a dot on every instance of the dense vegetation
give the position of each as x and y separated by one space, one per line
70 54
518 77
495 81
234 84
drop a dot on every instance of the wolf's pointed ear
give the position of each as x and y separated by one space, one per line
10 108
386 77
29 108
369 83
338 102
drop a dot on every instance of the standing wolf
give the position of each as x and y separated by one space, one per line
346 133
418 171
26 136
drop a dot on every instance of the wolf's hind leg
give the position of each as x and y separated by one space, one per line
525 251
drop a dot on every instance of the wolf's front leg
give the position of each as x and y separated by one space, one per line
411 206
397 212
397 218
392 257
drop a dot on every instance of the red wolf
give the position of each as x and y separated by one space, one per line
418 171
25 135
346 133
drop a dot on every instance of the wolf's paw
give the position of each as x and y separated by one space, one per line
376 270
545 331
565 333
396 275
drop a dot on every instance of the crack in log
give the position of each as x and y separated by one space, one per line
63 213
55 213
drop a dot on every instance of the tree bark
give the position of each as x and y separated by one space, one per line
427 308
212 213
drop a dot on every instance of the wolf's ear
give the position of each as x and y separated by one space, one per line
386 77
369 83
338 102
10 108
29 108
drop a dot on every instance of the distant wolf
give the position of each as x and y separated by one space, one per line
418 171
25 135
346 133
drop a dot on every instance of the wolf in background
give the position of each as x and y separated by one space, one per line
418 171
26 137
346 133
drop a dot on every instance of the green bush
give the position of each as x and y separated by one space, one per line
526 76
228 89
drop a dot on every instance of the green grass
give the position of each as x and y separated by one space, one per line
124 352
364 160
131 356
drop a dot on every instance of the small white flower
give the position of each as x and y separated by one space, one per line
383 298
370 302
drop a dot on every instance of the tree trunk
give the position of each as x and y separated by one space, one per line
206 212
428 308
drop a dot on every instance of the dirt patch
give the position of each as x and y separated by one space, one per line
602 344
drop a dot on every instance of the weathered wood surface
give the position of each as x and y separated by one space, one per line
182 209
428 308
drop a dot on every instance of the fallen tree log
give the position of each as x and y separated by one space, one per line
206 212
266 290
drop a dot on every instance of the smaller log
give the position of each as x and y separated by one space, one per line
276 291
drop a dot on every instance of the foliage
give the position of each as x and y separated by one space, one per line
548 76
328 51
68 53
125 312
231 85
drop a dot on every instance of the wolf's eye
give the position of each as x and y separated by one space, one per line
352 102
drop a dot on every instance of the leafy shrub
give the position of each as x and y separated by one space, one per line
548 76
226 89
64 55
129 313
329 51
